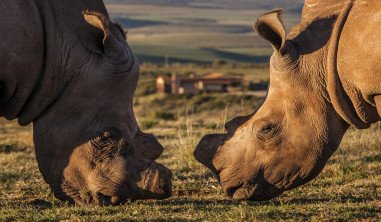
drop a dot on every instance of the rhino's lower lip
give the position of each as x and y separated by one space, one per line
246 193
253 192
231 190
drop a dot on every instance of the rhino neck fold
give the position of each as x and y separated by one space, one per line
29 111
22 55
29 82
43 66
57 75
338 97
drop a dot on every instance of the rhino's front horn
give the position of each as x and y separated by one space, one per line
113 47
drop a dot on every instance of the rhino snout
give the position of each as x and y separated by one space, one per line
261 191
156 182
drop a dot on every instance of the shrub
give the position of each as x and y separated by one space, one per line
148 124
165 115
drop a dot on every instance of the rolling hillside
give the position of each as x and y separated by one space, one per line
197 31
236 4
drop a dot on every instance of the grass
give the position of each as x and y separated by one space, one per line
348 189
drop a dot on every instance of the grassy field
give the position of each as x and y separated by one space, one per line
199 34
349 188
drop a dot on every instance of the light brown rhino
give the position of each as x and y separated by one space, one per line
324 77
68 69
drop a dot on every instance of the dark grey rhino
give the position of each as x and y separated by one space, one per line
67 68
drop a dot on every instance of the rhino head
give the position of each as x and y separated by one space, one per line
89 147
289 139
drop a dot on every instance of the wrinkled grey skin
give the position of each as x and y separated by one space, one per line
75 79
323 79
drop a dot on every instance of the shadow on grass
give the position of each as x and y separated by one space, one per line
40 204
182 175
10 148
372 159
350 199
301 201
6 177
365 159
45 205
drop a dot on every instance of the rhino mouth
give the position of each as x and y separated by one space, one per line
252 191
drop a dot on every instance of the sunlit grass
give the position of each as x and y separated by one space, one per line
348 189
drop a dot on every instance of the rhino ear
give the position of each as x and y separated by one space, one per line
269 26
112 48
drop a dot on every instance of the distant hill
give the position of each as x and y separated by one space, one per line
198 31
235 4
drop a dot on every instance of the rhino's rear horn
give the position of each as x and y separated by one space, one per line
270 27
112 47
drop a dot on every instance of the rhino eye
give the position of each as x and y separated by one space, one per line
106 136
268 131
268 128
103 140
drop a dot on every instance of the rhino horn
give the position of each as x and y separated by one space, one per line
270 27
112 47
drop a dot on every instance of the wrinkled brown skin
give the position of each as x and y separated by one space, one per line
324 77
68 69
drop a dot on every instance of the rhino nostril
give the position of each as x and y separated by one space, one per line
230 191
116 200
103 199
